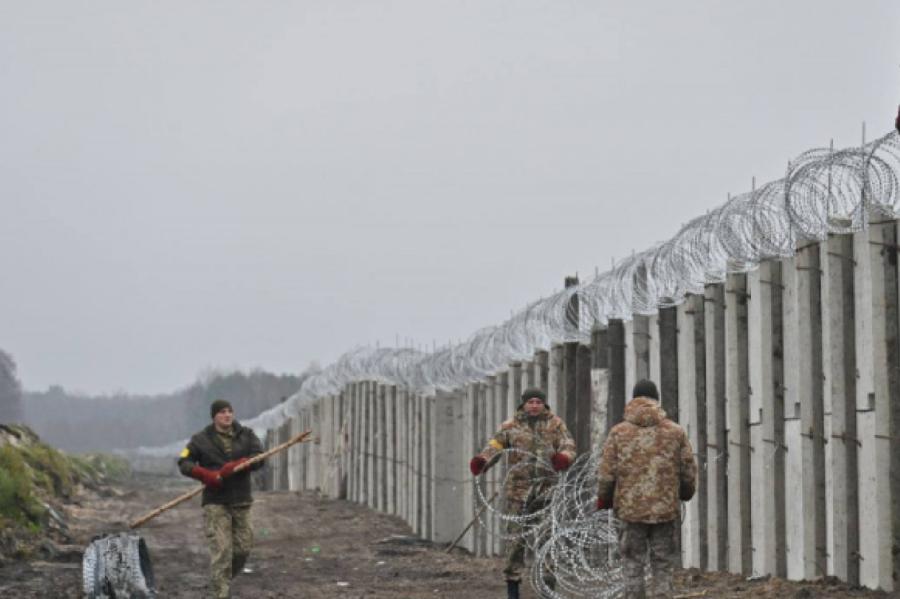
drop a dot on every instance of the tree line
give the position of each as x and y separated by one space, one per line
79 423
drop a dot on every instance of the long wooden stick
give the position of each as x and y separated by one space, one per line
301 438
472 522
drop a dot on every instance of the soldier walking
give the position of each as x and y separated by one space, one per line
537 433
211 457
647 466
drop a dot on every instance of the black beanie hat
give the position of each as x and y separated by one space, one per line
533 392
645 388
217 406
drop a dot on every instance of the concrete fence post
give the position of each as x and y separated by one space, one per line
527 375
640 343
583 399
383 443
839 359
630 363
570 374
656 351
713 456
875 283
368 444
428 448
467 441
599 386
556 382
667 354
542 371
514 388
692 398
451 478
617 372
738 417
804 415
766 371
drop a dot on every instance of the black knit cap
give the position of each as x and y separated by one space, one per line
533 392
645 388
217 406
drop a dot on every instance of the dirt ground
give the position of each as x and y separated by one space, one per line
307 546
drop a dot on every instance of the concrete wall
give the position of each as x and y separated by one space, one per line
786 379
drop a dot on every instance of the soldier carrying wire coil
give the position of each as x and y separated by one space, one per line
535 432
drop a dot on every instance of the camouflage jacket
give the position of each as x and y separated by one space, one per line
542 436
647 465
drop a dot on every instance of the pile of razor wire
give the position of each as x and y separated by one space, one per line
572 543
824 191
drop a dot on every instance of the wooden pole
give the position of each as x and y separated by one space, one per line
301 438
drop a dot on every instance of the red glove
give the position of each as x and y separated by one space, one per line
228 469
560 461
208 477
602 504
477 464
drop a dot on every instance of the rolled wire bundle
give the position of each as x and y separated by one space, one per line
572 543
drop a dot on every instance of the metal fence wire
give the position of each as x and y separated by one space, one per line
823 191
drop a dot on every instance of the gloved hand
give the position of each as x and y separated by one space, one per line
477 464
208 477
560 461
228 469
602 504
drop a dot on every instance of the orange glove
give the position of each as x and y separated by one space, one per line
477 464
228 469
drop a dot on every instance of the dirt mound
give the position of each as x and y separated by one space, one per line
36 483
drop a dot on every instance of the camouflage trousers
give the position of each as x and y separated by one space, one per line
637 543
515 548
229 537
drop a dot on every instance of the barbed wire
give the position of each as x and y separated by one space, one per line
823 191
574 545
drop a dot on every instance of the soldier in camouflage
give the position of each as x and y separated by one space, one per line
646 469
538 434
211 457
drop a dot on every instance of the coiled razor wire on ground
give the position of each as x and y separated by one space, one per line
573 544
824 191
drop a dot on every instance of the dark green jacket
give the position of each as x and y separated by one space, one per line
205 449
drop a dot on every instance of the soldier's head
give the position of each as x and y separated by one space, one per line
645 388
533 401
222 414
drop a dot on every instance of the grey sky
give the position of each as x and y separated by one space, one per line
239 184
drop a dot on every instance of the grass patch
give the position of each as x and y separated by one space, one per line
18 503
101 467
33 474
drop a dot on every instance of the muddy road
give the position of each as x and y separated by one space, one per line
316 548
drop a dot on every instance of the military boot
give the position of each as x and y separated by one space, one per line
512 589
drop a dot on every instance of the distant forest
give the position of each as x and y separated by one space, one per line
119 421
10 390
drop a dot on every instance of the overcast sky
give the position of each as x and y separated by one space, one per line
186 185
